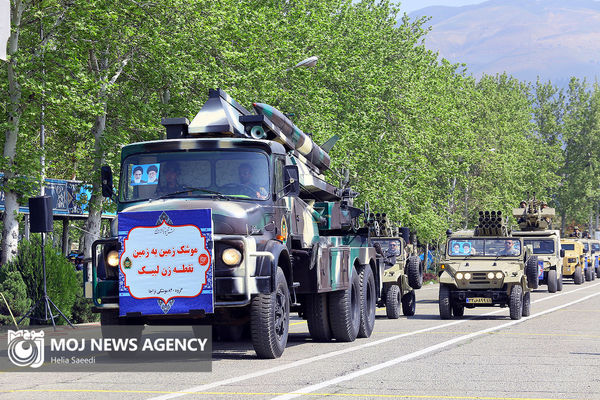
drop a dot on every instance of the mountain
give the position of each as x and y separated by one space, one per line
553 39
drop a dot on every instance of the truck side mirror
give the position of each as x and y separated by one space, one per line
107 181
562 252
291 182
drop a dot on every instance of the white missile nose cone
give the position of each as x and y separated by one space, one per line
309 62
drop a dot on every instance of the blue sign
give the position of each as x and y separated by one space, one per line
165 263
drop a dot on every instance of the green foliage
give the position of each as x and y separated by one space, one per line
15 293
82 308
62 283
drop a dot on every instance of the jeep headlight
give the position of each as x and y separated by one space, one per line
490 275
231 256
499 275
112 258
459 275
467 276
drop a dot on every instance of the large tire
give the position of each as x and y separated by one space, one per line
559 284
113 327
444 302
414 270
368 300
392 302
526 304
317 317
531 271
597 272
588 276
270 319
578 276
516 302
344 310
552 281
409 304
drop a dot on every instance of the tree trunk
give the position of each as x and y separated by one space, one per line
10 230
94 220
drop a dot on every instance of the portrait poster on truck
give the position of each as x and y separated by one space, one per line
165 262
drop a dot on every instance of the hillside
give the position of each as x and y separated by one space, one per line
554 39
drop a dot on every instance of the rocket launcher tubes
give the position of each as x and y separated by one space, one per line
301 142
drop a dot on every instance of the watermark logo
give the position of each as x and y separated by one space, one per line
26 348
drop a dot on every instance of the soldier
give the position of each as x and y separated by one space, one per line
576 232
509 249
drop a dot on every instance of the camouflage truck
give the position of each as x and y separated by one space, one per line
534 219
487 267
229 221
587 260
572 260
401 265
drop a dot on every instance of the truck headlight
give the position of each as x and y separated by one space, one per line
112 258
490 275
231 256
499 275
467 275
459 275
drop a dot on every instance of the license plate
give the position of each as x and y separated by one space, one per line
479 300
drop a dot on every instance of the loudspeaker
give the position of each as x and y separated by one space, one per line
40 214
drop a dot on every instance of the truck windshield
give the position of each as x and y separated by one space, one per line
469 247
237 174
390 247
541 246
595 247
586 247
567 246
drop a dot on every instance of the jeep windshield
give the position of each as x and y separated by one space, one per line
221 174
477 247
541 246
390 247
568 246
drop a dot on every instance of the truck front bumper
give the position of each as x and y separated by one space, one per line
479 298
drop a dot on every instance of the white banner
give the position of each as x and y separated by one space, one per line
4 27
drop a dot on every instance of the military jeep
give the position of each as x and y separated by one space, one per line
487 267
572 266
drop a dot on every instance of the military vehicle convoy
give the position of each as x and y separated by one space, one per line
572 260
534 219
587 259
230 222
402 267
487 267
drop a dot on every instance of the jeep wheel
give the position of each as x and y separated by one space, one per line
368 299
588 276
597 272
414 270
317 318
392 302
444 302
531 271
552 281
516 302
409 304
559 284
270 319
458 310
344 310
526 304
578 276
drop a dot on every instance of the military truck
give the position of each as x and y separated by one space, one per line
587 260
487 267
229 221
534 218
401 265
572 260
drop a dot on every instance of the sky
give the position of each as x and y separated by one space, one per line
409 6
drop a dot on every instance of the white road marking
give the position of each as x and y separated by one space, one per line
346 350
407 357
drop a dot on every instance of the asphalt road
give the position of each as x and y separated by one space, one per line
553 354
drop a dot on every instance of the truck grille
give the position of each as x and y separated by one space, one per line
479 277
571 260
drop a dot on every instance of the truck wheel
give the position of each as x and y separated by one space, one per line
367 301
578 276
270 319
552 281
587 275
526 304
444 302
516 302
414 270
344 310
112 327
531 271
458 310
409 304
597 272
559 283
317 317
392 302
